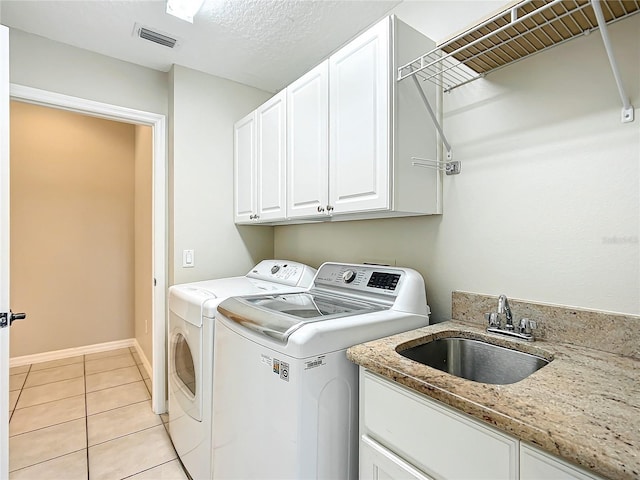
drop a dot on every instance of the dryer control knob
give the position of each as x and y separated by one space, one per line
349 276
275 269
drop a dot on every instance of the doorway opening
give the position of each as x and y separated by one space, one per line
105 203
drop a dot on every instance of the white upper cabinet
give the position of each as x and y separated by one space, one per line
271 159
260 163
244 167
350 133
376 126
359 128
307 143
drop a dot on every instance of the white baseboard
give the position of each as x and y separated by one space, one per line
73 352
145 360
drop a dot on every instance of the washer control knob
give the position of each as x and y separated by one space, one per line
275 269
349 276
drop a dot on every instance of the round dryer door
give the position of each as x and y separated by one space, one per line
184 367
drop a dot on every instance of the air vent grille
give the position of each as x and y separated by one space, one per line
156 37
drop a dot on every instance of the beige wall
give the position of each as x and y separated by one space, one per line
547 206
143 233
203 111
72 236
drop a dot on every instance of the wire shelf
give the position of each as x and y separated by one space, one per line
524 29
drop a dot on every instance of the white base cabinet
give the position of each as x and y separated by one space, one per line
378 463
406 435
432 438
538 465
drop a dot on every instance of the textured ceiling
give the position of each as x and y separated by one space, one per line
262 43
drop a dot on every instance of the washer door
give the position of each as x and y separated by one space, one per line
186 369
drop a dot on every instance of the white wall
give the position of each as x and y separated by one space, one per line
41 63
547 206
203 111
442 19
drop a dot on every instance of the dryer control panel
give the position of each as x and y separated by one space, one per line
284 272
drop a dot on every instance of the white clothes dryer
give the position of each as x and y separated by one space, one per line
285 394
192 312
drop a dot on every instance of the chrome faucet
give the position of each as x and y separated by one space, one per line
503 307
523 330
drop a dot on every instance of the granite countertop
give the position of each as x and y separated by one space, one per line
584 406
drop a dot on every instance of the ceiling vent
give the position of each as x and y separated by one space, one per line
154 36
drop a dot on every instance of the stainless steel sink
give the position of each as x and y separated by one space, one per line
475 360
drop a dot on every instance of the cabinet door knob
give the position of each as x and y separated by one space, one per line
329 208
320 209
256 216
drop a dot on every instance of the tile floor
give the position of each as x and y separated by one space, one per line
87 417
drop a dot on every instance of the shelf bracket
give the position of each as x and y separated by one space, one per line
450 168
627 108
447 145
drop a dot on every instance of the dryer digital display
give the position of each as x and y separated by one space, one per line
386 281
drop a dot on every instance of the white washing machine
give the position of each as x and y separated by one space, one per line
285 394
192 312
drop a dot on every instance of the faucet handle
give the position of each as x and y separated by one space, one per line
526 325
493 318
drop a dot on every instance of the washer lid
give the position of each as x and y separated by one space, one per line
278 316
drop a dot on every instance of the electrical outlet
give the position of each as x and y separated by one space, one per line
188 259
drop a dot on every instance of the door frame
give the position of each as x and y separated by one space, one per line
4 249
159 201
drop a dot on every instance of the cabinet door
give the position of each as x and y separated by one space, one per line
432 436
244 164
308 143
538 465
378 463
271 159
359 156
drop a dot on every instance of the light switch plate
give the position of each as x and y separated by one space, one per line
188 259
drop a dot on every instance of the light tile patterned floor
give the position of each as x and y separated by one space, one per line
87 417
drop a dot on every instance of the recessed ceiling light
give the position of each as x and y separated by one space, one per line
184 9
